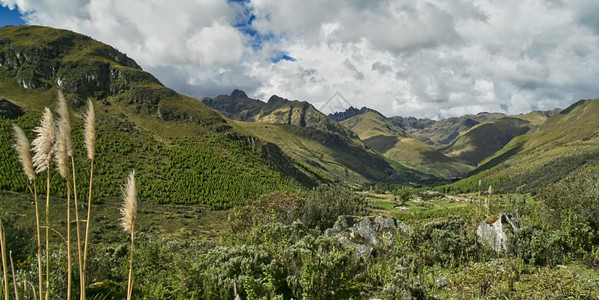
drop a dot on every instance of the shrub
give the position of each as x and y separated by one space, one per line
326 202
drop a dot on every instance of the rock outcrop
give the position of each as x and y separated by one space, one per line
495 230
366 232
9 110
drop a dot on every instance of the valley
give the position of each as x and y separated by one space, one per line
244 198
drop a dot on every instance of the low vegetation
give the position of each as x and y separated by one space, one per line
277 250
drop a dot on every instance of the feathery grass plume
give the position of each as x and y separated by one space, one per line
61 158
60 152
43 144
90 130
64 151
129 212
129 208
90 145
64 122
24 152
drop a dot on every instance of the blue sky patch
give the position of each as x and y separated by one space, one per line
10 17
243 23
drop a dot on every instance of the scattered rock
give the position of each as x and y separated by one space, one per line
494 230
363 233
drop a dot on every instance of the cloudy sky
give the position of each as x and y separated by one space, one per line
423 58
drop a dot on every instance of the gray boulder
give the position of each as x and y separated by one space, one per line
495 230
363 233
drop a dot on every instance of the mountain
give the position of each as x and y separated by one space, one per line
382 135
566 142
237 106
483 140
332 157
442 133
277 110
183 151
348 113
323 147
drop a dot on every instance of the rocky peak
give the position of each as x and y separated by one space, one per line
350 112
276 99
238 94
43 57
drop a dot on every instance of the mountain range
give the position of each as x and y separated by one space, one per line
224 150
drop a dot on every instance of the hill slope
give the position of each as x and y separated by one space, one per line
483 140
393 142
182 150
440 134
566 142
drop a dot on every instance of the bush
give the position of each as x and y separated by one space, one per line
326 202
281 207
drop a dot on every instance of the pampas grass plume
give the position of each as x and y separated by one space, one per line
129 209
62 157
24 152
90 130
43 144
64 123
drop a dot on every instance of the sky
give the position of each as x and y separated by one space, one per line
422 58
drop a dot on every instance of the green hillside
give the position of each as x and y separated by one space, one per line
483 140
441 133
568 141
333 157
382 135
183 151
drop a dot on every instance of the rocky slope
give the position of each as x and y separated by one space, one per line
277 110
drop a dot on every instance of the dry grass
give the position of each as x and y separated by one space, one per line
129 213
90 146
24 152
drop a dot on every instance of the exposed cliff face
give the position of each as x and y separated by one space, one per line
237 106
40 57
348 113
277 110
9 110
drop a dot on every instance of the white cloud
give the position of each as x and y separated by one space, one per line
427 58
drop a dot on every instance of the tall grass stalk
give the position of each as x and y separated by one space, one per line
65 130
14 281
24 152
43 146
61 157
129 212
4 267
90 144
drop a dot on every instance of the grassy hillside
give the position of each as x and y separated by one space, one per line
183 151
382 135
565 143
332 157
442 133
483 140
